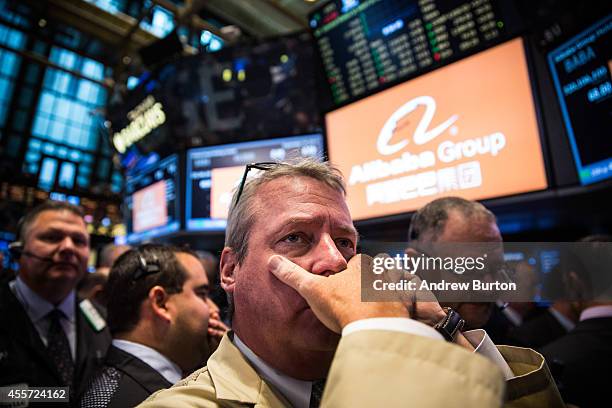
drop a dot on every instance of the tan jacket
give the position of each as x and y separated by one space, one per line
533 385
370 368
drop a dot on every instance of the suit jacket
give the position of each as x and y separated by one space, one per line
124 381
374 368
24 358
537 332
584 357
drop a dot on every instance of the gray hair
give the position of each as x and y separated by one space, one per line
241 217
429 221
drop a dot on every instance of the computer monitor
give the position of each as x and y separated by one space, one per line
366 46
468 129
152 203
213 173
582 73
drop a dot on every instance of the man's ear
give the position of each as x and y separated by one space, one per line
158 299
228 266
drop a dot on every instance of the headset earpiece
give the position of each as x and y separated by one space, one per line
146 268
15 249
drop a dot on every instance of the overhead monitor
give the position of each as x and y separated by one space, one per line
152 202
582 73
214 172
468 129
365 45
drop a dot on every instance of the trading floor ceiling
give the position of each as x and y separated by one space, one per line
255 18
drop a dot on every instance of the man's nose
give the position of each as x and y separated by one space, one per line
328 258
66 245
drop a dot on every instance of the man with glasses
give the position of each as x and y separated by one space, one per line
447 224
299 324
49 337
459 227
159 315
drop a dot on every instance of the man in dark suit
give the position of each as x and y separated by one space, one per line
542 329
48 337
160 317
554 322
581 359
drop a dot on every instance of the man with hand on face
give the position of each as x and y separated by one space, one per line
48 337
453 220
158 314
299 324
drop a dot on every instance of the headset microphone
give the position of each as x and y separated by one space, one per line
40 258
16 250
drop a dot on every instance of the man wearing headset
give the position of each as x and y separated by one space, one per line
48 337
162 322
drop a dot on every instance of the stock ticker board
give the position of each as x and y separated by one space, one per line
582 73
367 45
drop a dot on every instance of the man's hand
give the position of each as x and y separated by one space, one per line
336 299
422 304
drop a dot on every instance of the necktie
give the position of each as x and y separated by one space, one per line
59 348
316 393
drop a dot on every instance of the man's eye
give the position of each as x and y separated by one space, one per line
51 237
202 294
294 238
344 243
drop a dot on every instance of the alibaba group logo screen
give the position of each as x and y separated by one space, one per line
468 129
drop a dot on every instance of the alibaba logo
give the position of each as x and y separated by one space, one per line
421 135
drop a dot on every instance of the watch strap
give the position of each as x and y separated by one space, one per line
450 325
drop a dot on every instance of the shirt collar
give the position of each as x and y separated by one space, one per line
152 357
38 308
563 321
595 312
297 392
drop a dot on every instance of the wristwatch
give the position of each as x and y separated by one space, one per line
450 324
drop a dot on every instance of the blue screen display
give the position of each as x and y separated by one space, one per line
582 74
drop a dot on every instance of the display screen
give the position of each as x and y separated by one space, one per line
214 172
365 45
582 72
5 256
153 201
468 129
